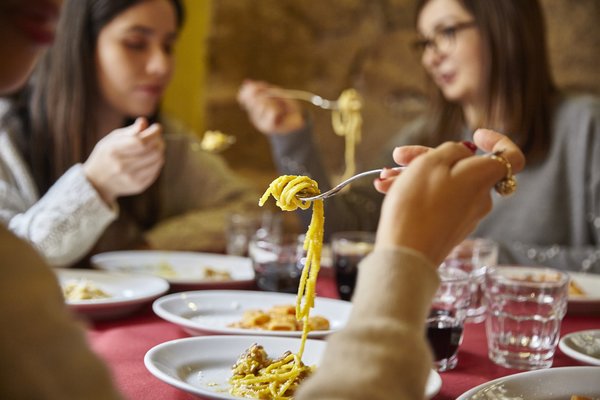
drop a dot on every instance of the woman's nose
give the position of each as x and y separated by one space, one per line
432 57
159 63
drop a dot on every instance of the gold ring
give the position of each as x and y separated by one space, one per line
507 185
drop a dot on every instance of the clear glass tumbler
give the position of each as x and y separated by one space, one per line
525 308
474 256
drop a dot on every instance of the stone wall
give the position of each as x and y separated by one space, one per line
328 46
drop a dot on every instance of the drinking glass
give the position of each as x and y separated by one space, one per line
241 227
446 319
278 262
525 307
348 250
474 256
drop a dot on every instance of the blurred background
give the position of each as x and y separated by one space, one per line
326 47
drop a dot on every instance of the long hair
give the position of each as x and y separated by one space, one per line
521 88
64 93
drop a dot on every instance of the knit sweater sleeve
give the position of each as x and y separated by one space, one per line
382 353
62 225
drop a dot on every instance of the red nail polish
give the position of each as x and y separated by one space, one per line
469 145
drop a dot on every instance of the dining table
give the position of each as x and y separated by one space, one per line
122 344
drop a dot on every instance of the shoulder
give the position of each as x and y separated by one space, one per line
578 106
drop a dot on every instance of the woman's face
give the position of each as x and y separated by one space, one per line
456 61
134 57
26 27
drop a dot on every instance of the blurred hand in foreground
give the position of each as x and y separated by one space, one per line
438 200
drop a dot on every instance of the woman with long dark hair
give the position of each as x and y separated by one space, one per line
90 130
489 67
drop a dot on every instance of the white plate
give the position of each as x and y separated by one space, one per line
184 269
202 365
583 346
590 303
545 384
211 311
127 292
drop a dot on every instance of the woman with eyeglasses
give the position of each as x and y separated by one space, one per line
489 67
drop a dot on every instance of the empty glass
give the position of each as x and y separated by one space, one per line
241 227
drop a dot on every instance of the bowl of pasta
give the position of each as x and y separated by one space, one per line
205 365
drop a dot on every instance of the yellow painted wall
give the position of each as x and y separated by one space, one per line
185 96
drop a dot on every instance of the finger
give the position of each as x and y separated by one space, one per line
138 125
448 153
479 171
383 185
150 162
403 155
491 141
389 173
151 134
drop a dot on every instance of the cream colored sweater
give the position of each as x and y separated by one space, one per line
382 353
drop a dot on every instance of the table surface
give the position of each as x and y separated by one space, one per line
123 343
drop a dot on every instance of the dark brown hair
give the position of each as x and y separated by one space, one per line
63 94
520 87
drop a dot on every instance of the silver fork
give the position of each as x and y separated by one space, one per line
341 185
304 95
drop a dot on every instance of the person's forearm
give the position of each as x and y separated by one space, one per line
382 352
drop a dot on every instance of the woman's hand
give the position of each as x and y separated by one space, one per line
268 114
126 161
439 199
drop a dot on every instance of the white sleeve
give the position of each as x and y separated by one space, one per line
66 222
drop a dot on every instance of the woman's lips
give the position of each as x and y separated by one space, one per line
151 90
38 22
446 78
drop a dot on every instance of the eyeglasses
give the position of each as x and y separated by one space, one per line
443 40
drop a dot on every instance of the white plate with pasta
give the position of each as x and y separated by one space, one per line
546 384
221 311
101 294
202 365
584 293
184 270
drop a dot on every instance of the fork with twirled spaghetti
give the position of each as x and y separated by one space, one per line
342 184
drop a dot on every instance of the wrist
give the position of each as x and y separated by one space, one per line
106 195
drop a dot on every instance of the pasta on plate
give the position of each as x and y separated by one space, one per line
279 318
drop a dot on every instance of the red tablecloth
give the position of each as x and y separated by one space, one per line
123 344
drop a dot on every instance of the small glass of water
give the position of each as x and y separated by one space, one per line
474 256
525 308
